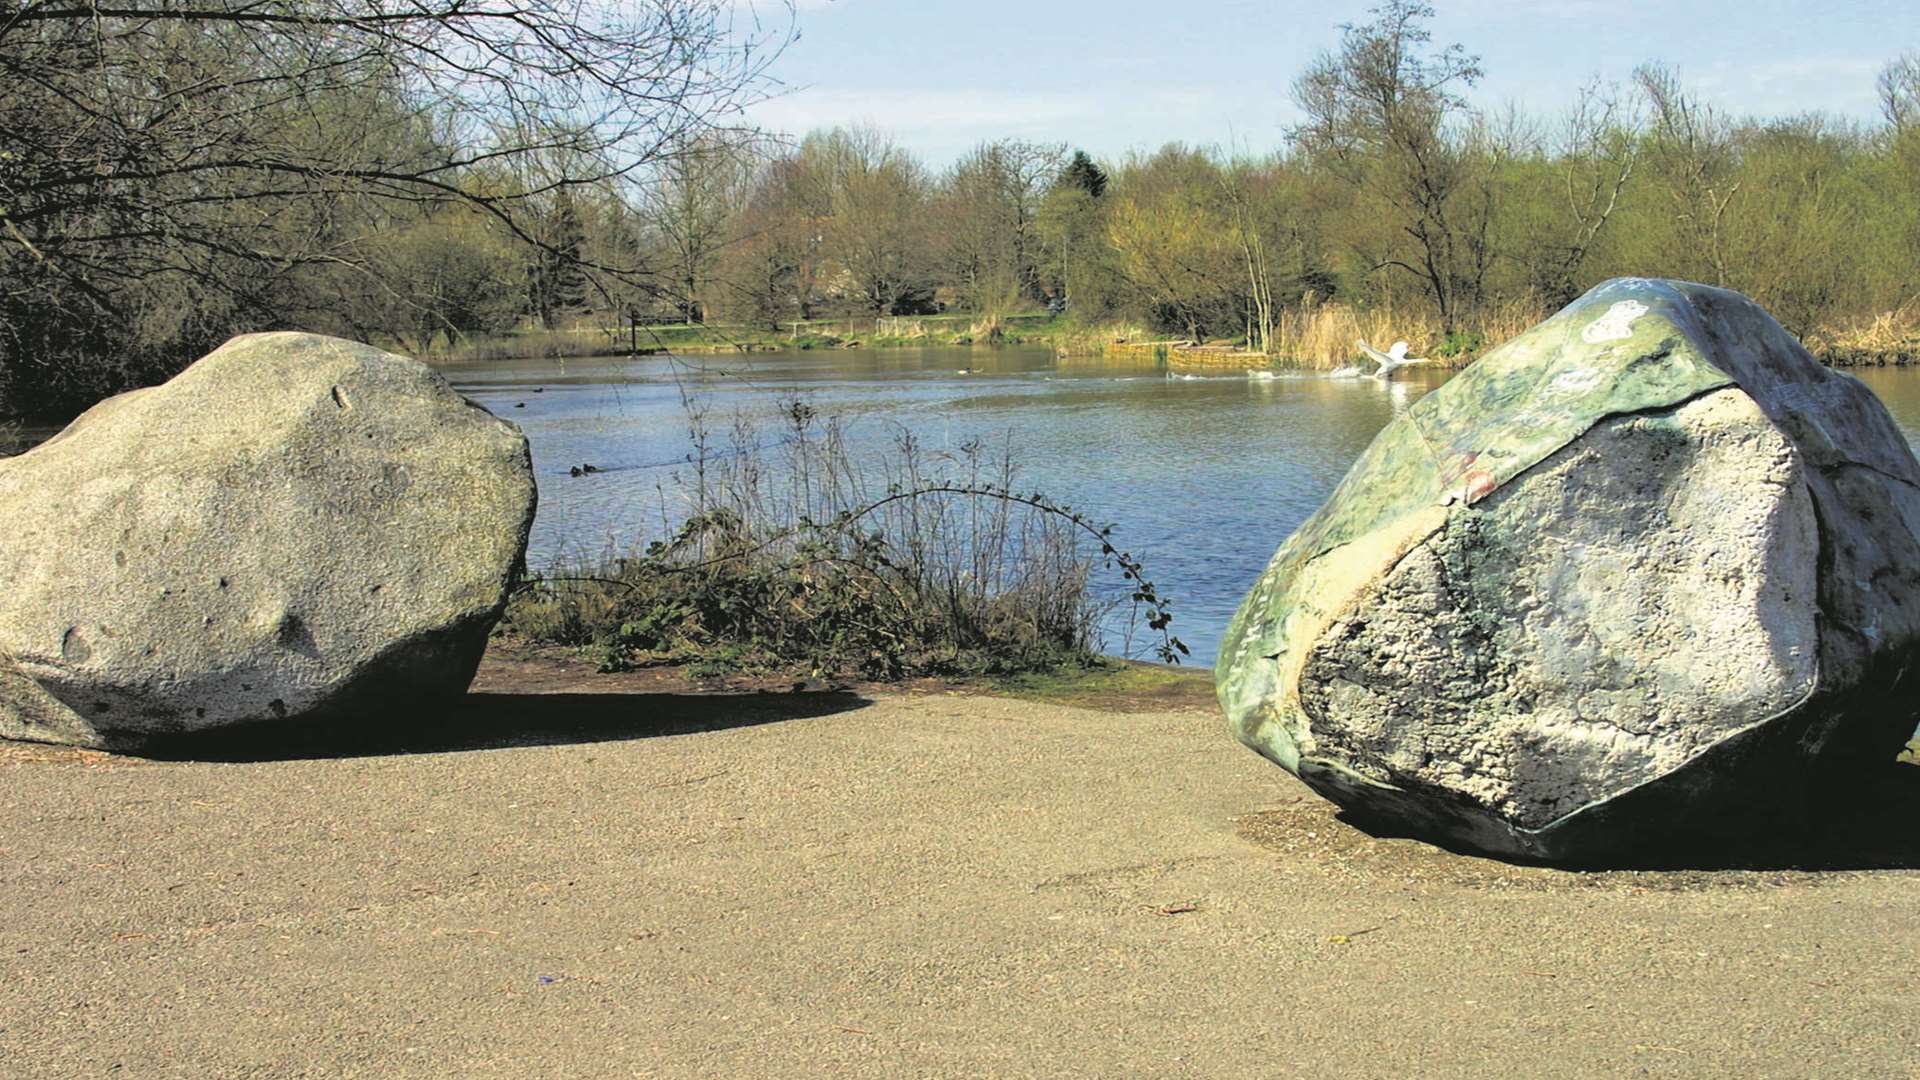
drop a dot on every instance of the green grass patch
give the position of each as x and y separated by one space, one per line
953 328
1112 684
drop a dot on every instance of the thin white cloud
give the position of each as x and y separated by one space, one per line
1568 10
1786 86
913 114
940 125
781 8
1822 69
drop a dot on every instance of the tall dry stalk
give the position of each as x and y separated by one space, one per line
1322 335
1890 335
794 553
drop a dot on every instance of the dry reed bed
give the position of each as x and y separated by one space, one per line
1891 337
1312 335
1323 336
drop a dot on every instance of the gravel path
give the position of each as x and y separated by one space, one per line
896 885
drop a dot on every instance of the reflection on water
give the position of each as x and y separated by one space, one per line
1204 476
1900 389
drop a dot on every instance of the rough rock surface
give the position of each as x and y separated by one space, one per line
295 526
1642 570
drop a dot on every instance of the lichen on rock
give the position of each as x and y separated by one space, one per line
1636 562
294 526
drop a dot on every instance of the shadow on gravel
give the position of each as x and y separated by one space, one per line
1873 825
494 721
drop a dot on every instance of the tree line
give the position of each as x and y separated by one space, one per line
174 173
1392 192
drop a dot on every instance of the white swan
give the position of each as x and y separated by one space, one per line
1390 361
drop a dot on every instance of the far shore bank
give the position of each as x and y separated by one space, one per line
1318 339
1324 342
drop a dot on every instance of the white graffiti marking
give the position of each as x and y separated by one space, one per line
1577 381
1617 323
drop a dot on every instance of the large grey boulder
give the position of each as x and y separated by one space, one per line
1644 573
294 527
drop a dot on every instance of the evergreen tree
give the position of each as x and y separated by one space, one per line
1082 173
557 283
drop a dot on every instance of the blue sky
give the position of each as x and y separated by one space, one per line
1114 75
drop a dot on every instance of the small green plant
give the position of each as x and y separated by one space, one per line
1460 343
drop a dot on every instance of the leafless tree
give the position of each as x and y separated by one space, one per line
1380 110
1598 153
167 166
693 202
989 209
876 195
1898 86
1697 159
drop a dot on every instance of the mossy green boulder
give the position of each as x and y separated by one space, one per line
1642 574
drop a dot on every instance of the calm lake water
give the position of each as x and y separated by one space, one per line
1203 476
